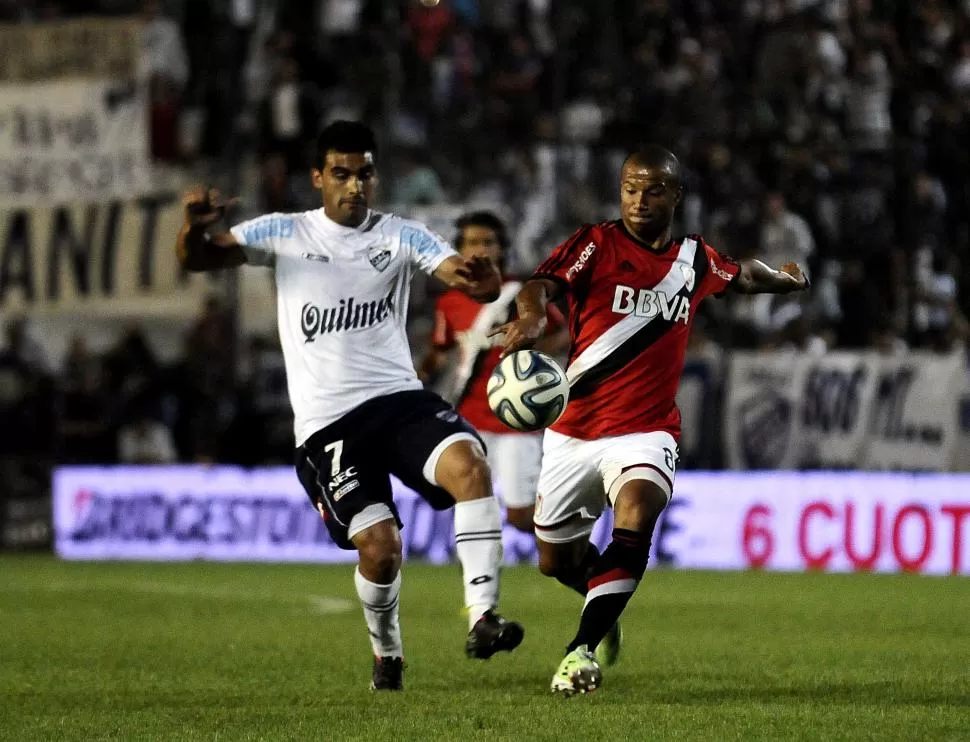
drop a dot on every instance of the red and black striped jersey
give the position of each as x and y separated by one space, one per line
630 315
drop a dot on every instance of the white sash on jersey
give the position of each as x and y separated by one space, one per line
475 340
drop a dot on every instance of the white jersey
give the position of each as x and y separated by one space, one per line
342 304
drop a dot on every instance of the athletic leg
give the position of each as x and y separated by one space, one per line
572 564
355 502
462 470
441 456
616 574
378 582
569 562
639 476
515 459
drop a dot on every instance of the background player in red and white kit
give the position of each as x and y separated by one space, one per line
632 292
462 323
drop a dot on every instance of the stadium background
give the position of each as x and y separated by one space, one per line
825 433
827 131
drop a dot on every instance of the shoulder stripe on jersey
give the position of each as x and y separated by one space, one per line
374 219
632 335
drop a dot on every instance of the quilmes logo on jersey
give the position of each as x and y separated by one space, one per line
581 261
349 315
649 303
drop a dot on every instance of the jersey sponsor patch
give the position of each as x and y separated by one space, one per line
648 303
723 275
350 314
447 416
581 261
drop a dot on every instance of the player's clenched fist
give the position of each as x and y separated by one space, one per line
520 333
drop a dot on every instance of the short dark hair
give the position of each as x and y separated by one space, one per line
656 157
485 219
353 137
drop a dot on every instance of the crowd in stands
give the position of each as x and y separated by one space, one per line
831 132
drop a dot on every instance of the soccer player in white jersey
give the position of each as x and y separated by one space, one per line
343 274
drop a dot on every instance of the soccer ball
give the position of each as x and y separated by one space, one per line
528 390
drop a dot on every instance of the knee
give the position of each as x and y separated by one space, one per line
638 505
466 475
380 558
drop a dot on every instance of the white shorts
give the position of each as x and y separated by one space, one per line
514 459
580 477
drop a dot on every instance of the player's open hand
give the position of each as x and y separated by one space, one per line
520 333
476 268
795 273
205 206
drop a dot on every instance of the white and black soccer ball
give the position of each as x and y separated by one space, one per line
528 390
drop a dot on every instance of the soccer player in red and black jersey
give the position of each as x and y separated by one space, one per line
463 324
632 291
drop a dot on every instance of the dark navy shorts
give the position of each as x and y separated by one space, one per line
346 466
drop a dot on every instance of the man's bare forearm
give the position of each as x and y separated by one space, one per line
533 298
757 278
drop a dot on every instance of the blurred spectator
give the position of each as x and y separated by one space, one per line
165 66
934 310
867 106
22 349
785 235
26 396
288 120
417 183
209 349
281 192
131 368
85 414
145 440
162 46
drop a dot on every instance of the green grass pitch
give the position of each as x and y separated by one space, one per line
205 651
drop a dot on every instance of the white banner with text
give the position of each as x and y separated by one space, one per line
843 411
116 257
76 140
884 522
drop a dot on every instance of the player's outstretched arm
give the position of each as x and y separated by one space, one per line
196 249
757 278
478 277
531 304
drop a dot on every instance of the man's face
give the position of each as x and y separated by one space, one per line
775 205
483 242
347 182
648 197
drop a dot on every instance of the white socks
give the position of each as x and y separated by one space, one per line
381 611
478 541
